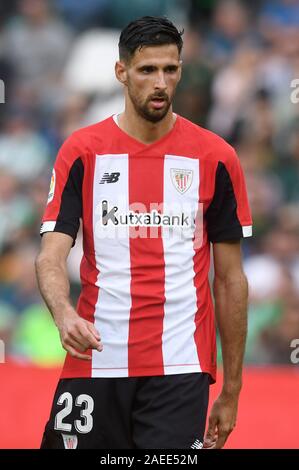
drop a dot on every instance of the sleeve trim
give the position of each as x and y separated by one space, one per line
56 226
48 226
247 231
236 232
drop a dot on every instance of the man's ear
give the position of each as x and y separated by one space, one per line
121 72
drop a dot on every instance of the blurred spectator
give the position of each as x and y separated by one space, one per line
90 67
36 44
230 27
23 152
193 96
233 88
7 8
15 209
279 18
200 13
17 275
288 166
120 13
81 15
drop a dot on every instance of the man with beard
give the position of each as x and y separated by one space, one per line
154 191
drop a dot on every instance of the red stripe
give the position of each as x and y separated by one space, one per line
204 336
147 273
89 274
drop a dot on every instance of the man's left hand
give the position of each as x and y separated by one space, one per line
222 420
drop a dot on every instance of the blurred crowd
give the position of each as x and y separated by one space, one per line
240 58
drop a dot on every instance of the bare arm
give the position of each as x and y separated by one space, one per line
76 334
231 294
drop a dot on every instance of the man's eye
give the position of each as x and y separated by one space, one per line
147 70
171 69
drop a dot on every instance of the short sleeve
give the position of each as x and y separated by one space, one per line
228 216
64 206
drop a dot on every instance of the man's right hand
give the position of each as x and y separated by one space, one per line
78 335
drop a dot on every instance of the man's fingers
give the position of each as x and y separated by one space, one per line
69 341
85 337
93 330
93 337
210 443
210 438
93 342
222 421
80 335
76 354
212 427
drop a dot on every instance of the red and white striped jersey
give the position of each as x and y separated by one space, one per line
149 213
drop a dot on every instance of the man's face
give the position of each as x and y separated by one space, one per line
152 75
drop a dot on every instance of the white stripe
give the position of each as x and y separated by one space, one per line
247 230
112 250
110 372
48 226
171 370
178 344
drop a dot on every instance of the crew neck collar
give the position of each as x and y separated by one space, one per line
142 144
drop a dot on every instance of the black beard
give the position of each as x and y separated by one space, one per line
151 116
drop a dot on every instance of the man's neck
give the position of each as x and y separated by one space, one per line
145 131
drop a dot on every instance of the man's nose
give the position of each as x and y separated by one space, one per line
160 81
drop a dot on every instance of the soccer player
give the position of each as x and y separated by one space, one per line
154 192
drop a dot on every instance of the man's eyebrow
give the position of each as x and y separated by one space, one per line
145 66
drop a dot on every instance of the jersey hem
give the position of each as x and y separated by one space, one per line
137 372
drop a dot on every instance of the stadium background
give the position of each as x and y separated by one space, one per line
57 63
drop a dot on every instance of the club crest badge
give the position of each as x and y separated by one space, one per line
70 441
181 179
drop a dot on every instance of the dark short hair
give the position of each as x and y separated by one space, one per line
148 31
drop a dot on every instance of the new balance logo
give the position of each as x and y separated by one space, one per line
197 444
112 178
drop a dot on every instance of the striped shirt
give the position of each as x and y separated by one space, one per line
149 214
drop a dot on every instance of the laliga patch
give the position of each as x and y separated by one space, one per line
52 187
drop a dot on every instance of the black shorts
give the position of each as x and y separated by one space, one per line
155 412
